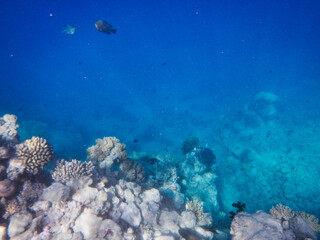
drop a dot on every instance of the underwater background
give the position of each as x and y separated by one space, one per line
242 77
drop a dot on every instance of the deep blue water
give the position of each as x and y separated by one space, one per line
171 69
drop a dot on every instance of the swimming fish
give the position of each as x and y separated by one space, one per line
103 26
68 29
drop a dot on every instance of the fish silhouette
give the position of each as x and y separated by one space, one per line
103 26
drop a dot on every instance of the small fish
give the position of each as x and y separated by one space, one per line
103 26
135 140
68 29
164 63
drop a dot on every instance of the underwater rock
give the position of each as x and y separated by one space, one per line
3 232
259 225
169 222
55 193
189 220
19 223
88 223
301 228
152 195
264 104
131 214
7 188
109 230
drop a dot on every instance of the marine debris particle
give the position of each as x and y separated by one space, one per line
103 26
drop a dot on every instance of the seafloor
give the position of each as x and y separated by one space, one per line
261 158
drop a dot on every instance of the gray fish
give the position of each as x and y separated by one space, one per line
103 26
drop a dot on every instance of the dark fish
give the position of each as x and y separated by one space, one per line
104 27
164 63
189 235
154 90
135 140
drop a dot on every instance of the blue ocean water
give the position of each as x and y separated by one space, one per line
175 69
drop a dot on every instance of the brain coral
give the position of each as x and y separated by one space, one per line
106 151
71 170
36 153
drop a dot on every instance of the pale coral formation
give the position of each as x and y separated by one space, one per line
312 221
281 212
35 153
261 225
75 169
196 207
284 213
8 128
106 151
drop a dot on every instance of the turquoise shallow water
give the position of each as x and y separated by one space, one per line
175 70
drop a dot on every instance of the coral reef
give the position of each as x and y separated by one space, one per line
132 170
203 219
189 145
261 225
284 213
11 207
75 169
35 153
106 151
281 212
311 220
110 197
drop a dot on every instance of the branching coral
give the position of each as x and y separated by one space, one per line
11 207
106 151
71 170
36 153
281 212
310 219
197 208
